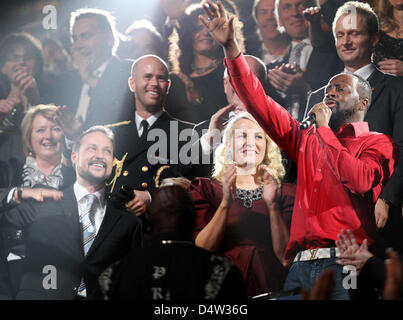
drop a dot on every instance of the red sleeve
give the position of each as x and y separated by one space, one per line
273 118
206 196
360 175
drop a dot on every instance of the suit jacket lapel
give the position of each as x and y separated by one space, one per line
111 217
377 82
70 208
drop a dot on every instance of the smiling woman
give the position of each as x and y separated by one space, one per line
245 212
39 178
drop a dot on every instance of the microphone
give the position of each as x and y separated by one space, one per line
310 93
307 122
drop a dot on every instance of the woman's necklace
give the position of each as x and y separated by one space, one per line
201 70
248 196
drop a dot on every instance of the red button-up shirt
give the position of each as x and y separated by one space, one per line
340 176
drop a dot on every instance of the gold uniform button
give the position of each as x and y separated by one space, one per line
144 169
144 185
125 173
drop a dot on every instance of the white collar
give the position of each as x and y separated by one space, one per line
80 192
151 119
365 71
306 40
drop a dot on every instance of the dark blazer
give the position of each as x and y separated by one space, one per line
140 168
110 99
54 238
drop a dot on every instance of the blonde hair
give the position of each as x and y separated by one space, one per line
272 158
48 111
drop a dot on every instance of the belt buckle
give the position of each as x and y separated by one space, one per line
313 253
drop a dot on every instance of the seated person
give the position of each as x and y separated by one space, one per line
172 268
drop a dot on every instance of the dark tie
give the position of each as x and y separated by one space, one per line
144 125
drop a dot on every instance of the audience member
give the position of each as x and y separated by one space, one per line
373 272
388 53
142 38
79 235
275 42
197 90
177 181
22 84
342 166
144 157
56 60
38 178
245 213
302 69
172 267
97 91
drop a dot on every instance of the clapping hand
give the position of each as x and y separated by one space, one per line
229 185
270 187
351 252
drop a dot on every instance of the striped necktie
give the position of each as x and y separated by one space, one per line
87 221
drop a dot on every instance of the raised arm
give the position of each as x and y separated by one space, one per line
272 117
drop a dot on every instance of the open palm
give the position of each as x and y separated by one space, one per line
217 22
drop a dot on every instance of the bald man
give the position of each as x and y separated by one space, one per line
148 146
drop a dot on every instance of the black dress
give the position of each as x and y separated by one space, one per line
212 97
388 48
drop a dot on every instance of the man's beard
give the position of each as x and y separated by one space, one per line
89 177
339 118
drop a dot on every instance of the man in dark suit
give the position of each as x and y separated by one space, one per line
71 241
97 91
355 41
304 68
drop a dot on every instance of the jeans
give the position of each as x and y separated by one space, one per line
303 274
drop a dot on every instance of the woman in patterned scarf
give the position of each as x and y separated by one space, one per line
40 178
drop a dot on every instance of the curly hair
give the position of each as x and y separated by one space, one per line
272 158
384 11
181 54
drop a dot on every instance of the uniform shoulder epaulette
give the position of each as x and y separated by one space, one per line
118 124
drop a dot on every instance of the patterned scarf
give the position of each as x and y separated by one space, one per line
32 176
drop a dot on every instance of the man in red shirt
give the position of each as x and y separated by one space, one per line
342 166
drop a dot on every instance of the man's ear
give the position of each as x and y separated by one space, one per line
169 86
74 158
130 81
364 104
375 39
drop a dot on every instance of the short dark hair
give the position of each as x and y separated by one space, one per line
29 42
172 210
108 132
104 19
371 19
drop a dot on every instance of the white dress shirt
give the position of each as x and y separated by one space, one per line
100 209
151 120
364 72
84 101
